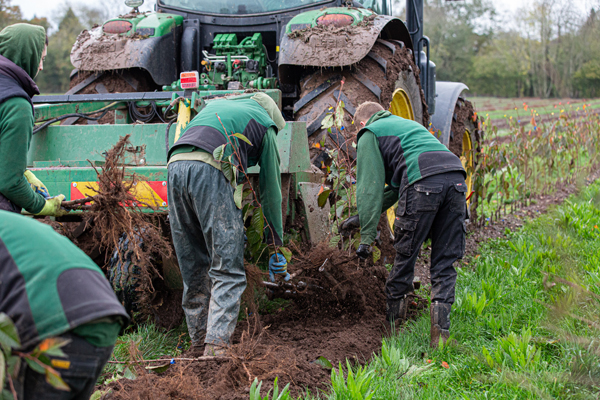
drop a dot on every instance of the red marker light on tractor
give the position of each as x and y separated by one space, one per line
189 80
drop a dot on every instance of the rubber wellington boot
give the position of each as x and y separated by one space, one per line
440 323
214 350
395 310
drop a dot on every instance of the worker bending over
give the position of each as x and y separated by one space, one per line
50 288
207 227
22 51
428 182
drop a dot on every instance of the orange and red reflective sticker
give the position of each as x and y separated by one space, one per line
153 193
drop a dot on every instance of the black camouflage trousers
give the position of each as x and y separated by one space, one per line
433 206
80 370
208 236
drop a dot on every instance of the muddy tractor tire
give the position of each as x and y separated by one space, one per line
465 142
388 67
143 296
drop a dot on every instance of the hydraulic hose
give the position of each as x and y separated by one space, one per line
87 116
171 122
137 115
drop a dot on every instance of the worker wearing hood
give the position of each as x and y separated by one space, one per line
22 51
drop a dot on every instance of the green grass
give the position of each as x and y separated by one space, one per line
520 331
499 108
145 342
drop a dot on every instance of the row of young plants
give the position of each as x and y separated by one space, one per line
534 160
525 323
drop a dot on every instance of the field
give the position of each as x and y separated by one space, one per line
525 323
502 112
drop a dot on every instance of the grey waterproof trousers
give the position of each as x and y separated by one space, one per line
208 235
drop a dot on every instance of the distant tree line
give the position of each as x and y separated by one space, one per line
62 27
548 48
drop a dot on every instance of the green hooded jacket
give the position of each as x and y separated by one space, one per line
21 49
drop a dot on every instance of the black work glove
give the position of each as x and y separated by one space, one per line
349 225
364 251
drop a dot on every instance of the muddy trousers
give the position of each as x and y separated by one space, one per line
208 236
434 205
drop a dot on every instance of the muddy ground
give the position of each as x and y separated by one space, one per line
285 344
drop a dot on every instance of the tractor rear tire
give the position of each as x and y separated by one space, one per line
143 295
466 137
366 81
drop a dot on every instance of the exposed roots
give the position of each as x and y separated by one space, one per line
254 358
343 278
254 278
115 217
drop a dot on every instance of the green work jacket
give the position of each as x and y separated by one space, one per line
205 133
21 47
398 152
49 286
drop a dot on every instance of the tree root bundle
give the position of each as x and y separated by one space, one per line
344 279
115 216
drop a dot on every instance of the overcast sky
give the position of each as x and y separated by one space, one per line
48 8
44 8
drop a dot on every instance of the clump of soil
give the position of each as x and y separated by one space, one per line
284 345
334 322
342 282
331 30
115 217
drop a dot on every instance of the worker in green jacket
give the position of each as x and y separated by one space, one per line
428 182
50 288
22 51
207 226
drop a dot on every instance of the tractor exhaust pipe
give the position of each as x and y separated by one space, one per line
414 22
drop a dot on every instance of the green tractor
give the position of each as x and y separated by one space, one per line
148 74
305 48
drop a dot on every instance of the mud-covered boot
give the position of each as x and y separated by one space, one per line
440 323
395 310
214 350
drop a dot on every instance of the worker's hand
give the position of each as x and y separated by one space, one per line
364 251
52 207
349 225
37 185
278 266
